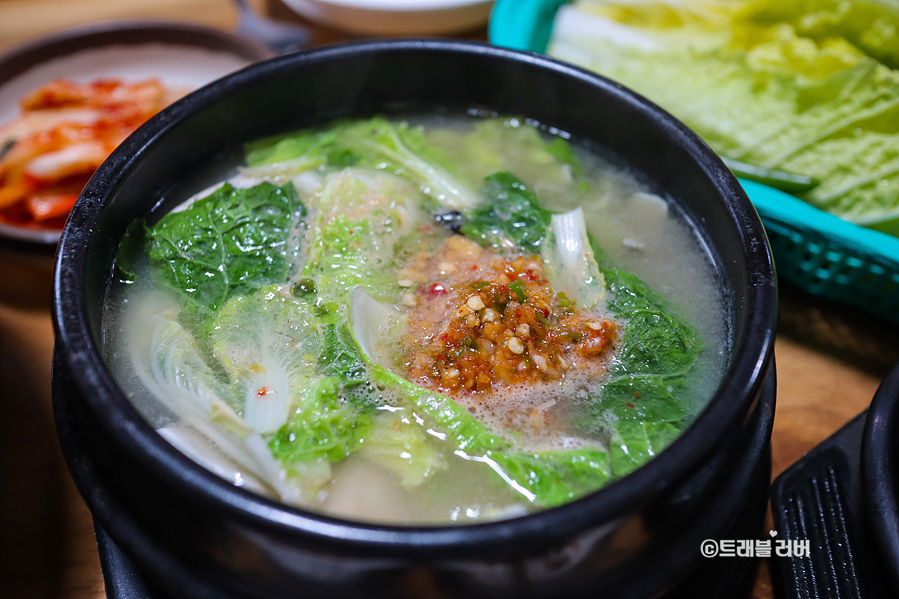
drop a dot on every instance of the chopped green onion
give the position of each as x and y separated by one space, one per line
520 291
781 180
303 287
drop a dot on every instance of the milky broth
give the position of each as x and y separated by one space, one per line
641 233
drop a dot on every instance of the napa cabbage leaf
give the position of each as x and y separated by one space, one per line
374 143
546 478
512 218
448 165
808 87
229 243
400 444
321 426
569 259
339 357
360 216
270 345
178 375
647 383
511 144
635 443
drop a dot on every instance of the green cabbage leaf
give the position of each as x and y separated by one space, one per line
512 218
360 216
229 243
270 345
375 143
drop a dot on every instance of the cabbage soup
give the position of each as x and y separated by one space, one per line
436 320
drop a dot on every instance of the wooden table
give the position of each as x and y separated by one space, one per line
829 360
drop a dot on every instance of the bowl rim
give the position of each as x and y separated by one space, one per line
131 32
753 345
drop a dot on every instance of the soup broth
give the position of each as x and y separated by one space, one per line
431 321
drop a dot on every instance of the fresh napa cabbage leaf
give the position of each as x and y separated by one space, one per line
547 478
373 143
512 218
228 243
400 444
808 87
872 26
569 260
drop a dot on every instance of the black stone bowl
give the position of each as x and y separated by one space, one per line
196 535
880 474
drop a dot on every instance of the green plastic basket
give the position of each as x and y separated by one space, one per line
813 250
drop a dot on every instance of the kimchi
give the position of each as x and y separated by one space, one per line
64 132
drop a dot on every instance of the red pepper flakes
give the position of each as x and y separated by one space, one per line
509 329
436 289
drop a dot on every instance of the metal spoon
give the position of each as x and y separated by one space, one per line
282 37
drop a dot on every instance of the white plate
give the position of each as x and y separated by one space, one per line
396 17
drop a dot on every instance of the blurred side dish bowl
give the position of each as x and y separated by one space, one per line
68 99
